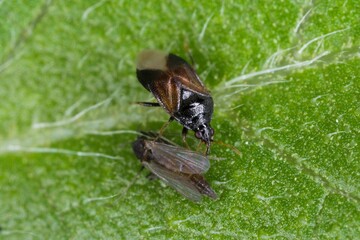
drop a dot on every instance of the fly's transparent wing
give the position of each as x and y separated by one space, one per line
179 159
180 183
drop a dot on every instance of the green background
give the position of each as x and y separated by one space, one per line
285 80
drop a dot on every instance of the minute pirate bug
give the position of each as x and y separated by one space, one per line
178 167
179 90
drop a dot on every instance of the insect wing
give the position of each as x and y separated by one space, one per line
184 73
180 183
202 185
147 76
180 159
162 87
153 73
167 92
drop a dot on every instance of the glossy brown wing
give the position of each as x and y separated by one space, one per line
151 66
185 74
167 92
162 86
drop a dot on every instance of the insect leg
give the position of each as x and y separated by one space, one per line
148 104
165 126
183 134
206 150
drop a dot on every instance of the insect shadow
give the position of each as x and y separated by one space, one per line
179 90
180 168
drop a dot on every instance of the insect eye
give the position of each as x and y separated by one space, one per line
198 134
212 132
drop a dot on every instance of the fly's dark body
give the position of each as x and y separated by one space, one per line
179 168
178 90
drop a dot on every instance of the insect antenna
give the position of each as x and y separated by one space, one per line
188 51
233 148
191 59
221 143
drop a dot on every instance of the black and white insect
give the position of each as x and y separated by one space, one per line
179 90
178 167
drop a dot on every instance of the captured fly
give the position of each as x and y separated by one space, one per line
178 167
179 90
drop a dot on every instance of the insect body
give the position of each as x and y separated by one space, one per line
179 168
179 90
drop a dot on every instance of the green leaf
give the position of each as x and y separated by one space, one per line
285 81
